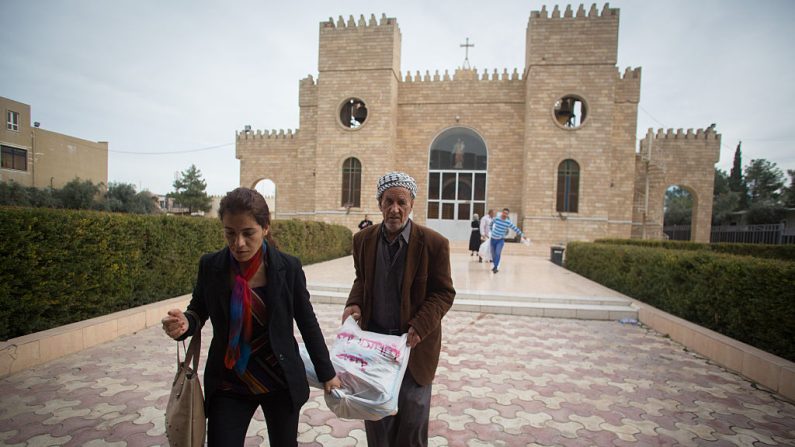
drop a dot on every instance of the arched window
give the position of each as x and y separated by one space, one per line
457 178
568 186
351 182
458 148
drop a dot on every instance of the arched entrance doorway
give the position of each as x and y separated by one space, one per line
456 181
267 188
679 206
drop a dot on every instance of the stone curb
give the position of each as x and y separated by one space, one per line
34 349
768 370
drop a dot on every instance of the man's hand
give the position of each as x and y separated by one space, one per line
413 338
332 384
175 324
354 310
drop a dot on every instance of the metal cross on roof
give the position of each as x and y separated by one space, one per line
466 47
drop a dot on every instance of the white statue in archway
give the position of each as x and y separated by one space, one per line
458 154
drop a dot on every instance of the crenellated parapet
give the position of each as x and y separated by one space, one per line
628 85
249 143
462 74
308 81
680 134
572 37
268 134
679 147
568 13
352 24
359 45
307 92
462 87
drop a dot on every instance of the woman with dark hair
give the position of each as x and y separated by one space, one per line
252 292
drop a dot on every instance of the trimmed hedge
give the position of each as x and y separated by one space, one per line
62 266
749 299
767 251
312 241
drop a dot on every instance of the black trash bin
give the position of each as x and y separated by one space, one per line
556 255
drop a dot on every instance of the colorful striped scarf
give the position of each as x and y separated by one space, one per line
238 350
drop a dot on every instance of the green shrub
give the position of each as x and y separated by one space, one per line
784 252
312 241
746 298
62 266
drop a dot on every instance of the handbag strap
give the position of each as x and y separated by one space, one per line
193 351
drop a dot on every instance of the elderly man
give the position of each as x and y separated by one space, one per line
403 285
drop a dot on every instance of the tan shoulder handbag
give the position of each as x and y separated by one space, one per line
185 421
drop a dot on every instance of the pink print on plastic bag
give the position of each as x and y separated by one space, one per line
389 350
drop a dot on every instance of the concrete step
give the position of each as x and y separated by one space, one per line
329 287
549 310
536 248
481 295
553 306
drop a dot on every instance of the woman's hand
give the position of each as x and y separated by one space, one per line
175 324
332 384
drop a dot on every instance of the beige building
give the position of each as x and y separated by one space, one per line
32 156
554 141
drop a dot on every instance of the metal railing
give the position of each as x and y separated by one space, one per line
677 232
746 234
752 234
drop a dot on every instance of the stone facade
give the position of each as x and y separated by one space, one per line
568 54
53 159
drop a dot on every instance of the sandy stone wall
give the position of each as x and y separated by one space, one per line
568 52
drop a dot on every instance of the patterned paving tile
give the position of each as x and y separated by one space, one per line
503 381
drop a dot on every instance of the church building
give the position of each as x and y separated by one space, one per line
553 141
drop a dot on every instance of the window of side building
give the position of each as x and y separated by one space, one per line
12 120
351 183
568 186
14 158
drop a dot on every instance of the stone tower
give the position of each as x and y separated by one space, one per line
359 61
573 54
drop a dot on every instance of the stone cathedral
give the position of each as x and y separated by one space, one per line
554 141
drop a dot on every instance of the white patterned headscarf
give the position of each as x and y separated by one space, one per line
394 179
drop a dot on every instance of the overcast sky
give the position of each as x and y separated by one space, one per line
166 76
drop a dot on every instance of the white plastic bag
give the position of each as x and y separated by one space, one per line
370 366
311 376
485 250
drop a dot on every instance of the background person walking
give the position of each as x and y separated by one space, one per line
474 238
499 228
485 230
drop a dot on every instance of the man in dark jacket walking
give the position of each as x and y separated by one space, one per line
403 285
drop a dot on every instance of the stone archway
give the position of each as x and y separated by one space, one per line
267 188
680 208
457 178
671 158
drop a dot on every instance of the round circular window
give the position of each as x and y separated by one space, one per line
353 113
570 112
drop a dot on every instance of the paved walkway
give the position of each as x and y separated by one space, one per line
517 274
503 380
